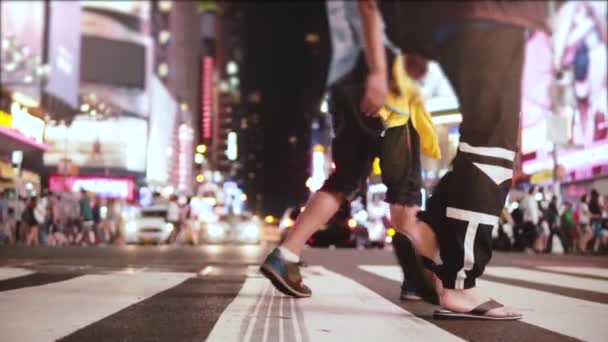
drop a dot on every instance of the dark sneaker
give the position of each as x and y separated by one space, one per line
285 276
409 294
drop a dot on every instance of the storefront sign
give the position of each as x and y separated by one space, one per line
103 186
30 126
207 96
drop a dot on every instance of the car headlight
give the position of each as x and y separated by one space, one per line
169 226
251 231
215 231
131 227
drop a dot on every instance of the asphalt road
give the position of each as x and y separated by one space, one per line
167 293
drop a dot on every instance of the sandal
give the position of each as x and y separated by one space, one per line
479 313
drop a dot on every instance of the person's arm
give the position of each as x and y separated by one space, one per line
376 88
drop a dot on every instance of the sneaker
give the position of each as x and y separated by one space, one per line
284 275
409 294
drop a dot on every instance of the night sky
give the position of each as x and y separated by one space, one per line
290 74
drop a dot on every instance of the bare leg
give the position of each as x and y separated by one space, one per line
451 299
320 209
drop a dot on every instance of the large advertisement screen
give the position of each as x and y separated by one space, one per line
115 143
114 62
22 22
64 51
578 52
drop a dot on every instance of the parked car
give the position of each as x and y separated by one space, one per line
149 226
240 229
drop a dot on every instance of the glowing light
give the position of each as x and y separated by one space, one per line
164 36
391 232
232 68
85 107
199 158
251 231
201 149
232 148
269 219
352 223
200 178
243 197
447 119
312 37
163 69
207 95
286 223
165 6
131 228
317 178
184 107
324 106
216 231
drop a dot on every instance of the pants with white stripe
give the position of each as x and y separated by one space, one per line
483 61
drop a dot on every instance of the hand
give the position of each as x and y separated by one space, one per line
376 90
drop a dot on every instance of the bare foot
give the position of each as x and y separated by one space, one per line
463 301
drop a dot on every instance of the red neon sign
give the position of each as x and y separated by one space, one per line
207 96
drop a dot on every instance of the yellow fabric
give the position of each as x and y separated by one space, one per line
409 103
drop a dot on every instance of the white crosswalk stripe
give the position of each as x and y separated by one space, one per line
340 310
13 272
590 271
49 312
568 316
538 277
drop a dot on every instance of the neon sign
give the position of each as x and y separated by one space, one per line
207 96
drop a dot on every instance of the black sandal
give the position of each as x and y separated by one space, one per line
479 313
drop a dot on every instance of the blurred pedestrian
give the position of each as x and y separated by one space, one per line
86 219
567 227
31 224
41 214
173 217
532 220
585 231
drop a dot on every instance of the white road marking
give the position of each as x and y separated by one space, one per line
538 277
227 328
281 321
340 309
294 318
592 271
573 317
49 312
273 293
13 272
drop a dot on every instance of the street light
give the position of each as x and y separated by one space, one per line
201 149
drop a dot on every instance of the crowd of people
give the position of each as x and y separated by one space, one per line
539 223
59 219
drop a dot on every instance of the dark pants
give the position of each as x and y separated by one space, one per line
483 62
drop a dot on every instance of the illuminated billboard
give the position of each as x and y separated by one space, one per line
581 55
115 143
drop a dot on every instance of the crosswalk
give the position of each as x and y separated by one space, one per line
149 305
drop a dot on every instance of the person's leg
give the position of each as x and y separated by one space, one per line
353 152
401 173
484 65
321 207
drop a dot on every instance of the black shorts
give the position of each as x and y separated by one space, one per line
358 141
